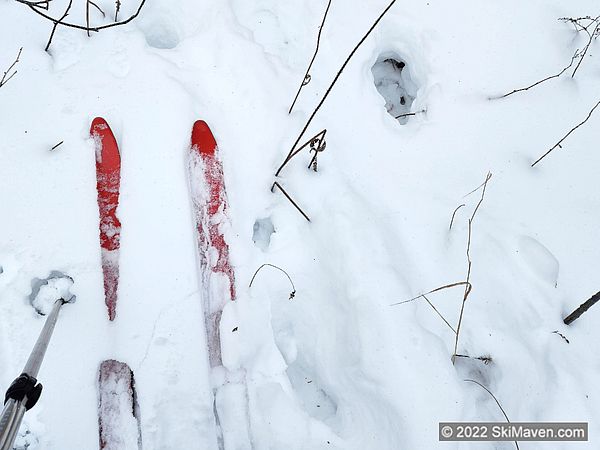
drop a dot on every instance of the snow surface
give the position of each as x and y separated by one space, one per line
337 366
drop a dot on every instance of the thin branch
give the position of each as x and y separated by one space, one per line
469 264
57 145
56 25
582 308
307 77
6 77
592 36
292 294
567 135
410 114
453 214
439 314
290 199
573 58
497 403
117 9
97 7
82 27
314 113
460 283
486 359
562 336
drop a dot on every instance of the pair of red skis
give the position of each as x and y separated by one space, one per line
209 203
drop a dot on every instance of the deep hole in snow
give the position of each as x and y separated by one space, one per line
261 233
393 82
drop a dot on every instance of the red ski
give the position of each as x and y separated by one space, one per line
209 202
118 416
108 180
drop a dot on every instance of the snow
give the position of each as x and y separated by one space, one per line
44 293
336 366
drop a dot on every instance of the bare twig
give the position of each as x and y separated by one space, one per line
567 135
561 335
410 114
7 75
292 294
82 27
307 76
485 359
290 199
591 37
573 58
582 308
44 4
117 9
497 403
460 283
439 314
453 214
469 264
314 113
57 145
97 7
66 13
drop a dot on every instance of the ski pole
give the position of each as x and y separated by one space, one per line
25 391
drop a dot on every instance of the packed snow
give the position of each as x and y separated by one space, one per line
394 207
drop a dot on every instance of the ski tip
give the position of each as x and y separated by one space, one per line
203 139
98 125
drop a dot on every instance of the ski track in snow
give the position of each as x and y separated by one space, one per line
336 367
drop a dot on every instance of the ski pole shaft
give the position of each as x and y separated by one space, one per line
14 410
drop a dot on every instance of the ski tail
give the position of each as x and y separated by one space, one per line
118 410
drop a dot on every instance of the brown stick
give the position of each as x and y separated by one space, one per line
439 314
567 135
290 199
6 78
314 113
307 77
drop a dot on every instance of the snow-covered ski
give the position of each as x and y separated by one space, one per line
118 417
209 203
108 180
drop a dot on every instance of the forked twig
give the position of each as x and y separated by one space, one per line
82 27
292 294
66 13
567 135
307 76
7 75
497 403
469 264
337 76
460 283
573 58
